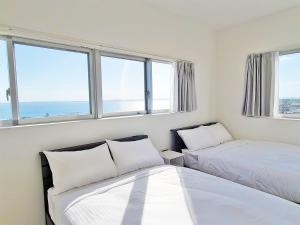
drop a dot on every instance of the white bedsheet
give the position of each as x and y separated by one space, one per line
172 195
58 203
266 166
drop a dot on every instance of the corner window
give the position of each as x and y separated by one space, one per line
289 85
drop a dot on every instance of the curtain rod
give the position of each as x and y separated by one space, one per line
62 39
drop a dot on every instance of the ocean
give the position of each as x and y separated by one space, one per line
47 109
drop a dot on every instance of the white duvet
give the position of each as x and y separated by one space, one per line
266 166
169 195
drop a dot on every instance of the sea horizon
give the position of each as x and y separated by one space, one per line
41 109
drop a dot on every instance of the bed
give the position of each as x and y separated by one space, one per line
47 173
267 166
164 195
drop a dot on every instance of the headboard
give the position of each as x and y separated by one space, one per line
46 171
176 142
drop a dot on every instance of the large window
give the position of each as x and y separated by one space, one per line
51 82
123 85
289 85
48 82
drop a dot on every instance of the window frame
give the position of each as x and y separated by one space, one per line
95 81
171 91
277 83
132 58
67 48
8 122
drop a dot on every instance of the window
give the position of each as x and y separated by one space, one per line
47 82
51 82
289 85
161 85
128 86
5 107
123 84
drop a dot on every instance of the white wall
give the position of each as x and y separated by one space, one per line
277 32
118 23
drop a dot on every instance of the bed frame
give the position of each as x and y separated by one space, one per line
177 143
47 174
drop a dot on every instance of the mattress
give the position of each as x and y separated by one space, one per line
267 166
170 195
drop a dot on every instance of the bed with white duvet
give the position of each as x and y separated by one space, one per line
169 195
127 183
267 166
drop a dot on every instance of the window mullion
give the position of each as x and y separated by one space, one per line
98 76
92 84
148 86
13 81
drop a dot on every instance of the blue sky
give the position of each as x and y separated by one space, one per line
55 75
125 78
121 79
289 76
51 75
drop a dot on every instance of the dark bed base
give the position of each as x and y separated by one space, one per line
177 143
47 174
49 221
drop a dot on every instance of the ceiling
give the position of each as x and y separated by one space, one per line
220 14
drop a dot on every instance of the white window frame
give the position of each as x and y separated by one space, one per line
125 57
276 99
8 122
15 101
95 82
171 91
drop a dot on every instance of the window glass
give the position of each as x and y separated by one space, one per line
162 74
122 85
5 107
289 84
51 82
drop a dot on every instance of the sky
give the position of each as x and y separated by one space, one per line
121 79
54 75
289 76
51 75
125 78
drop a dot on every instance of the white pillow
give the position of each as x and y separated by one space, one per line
220 133
197 138
134 155
77 168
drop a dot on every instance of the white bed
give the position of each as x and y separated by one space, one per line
170 195
266 166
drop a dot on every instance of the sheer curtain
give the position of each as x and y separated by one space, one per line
260 85
185 99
